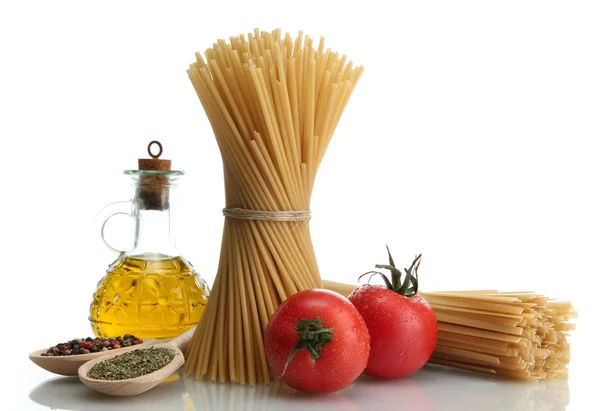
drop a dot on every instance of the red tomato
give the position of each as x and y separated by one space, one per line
403 330
330 338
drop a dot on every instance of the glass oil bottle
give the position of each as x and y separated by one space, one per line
150 291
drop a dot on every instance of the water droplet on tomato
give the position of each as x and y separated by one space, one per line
383 305
410 342
401 353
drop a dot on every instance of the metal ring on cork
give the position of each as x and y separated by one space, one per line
160 149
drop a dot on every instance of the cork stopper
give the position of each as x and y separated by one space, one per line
154 163
153 190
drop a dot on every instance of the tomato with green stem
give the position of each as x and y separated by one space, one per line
402 325
316 341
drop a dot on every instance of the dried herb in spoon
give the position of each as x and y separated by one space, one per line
132 364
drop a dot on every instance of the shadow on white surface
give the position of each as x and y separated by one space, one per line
432 388
68 393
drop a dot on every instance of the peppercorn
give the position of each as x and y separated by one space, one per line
91 345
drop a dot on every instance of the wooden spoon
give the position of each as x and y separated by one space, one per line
138 385
69 364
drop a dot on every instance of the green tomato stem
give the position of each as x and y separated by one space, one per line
313 336
409 286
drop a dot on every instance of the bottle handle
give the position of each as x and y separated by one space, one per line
115 208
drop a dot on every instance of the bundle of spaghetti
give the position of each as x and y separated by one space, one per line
273 104
520 335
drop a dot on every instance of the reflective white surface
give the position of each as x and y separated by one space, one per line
432 388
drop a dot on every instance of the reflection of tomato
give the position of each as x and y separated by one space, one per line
336 401
317 341
405 394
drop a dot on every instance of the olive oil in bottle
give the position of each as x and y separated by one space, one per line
150 297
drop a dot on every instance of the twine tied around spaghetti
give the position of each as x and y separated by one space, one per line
244 214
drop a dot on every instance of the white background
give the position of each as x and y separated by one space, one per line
472 138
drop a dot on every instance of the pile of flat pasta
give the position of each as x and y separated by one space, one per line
273 104
520 335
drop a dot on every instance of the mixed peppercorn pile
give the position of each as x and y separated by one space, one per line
90 345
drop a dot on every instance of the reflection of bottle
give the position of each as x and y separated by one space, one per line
150 291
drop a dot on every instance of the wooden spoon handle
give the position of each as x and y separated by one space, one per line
181 341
